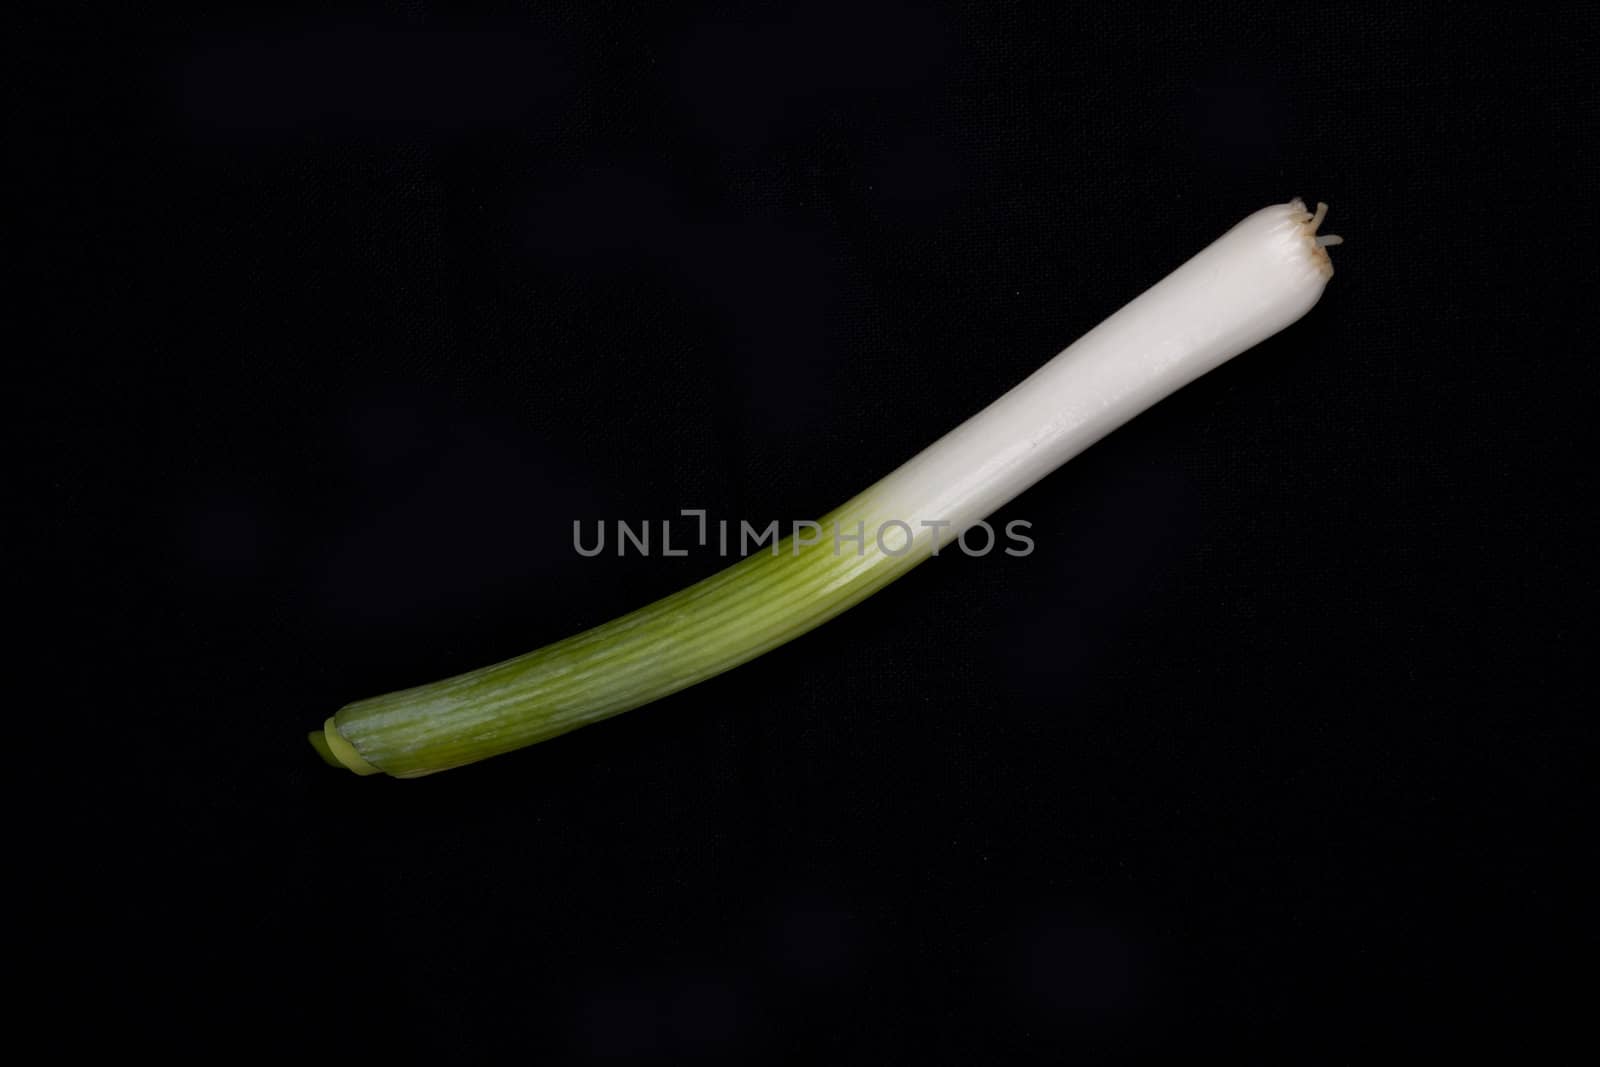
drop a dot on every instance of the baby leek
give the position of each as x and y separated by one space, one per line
1254 280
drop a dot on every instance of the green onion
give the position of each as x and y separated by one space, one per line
1250 283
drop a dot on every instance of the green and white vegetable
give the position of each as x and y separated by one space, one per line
1250 283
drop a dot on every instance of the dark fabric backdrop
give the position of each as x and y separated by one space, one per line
330 324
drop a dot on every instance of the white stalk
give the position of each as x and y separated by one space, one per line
1247 285
1250 283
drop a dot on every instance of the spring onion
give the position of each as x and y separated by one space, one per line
1253 281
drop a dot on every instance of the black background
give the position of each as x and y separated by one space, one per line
330 324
